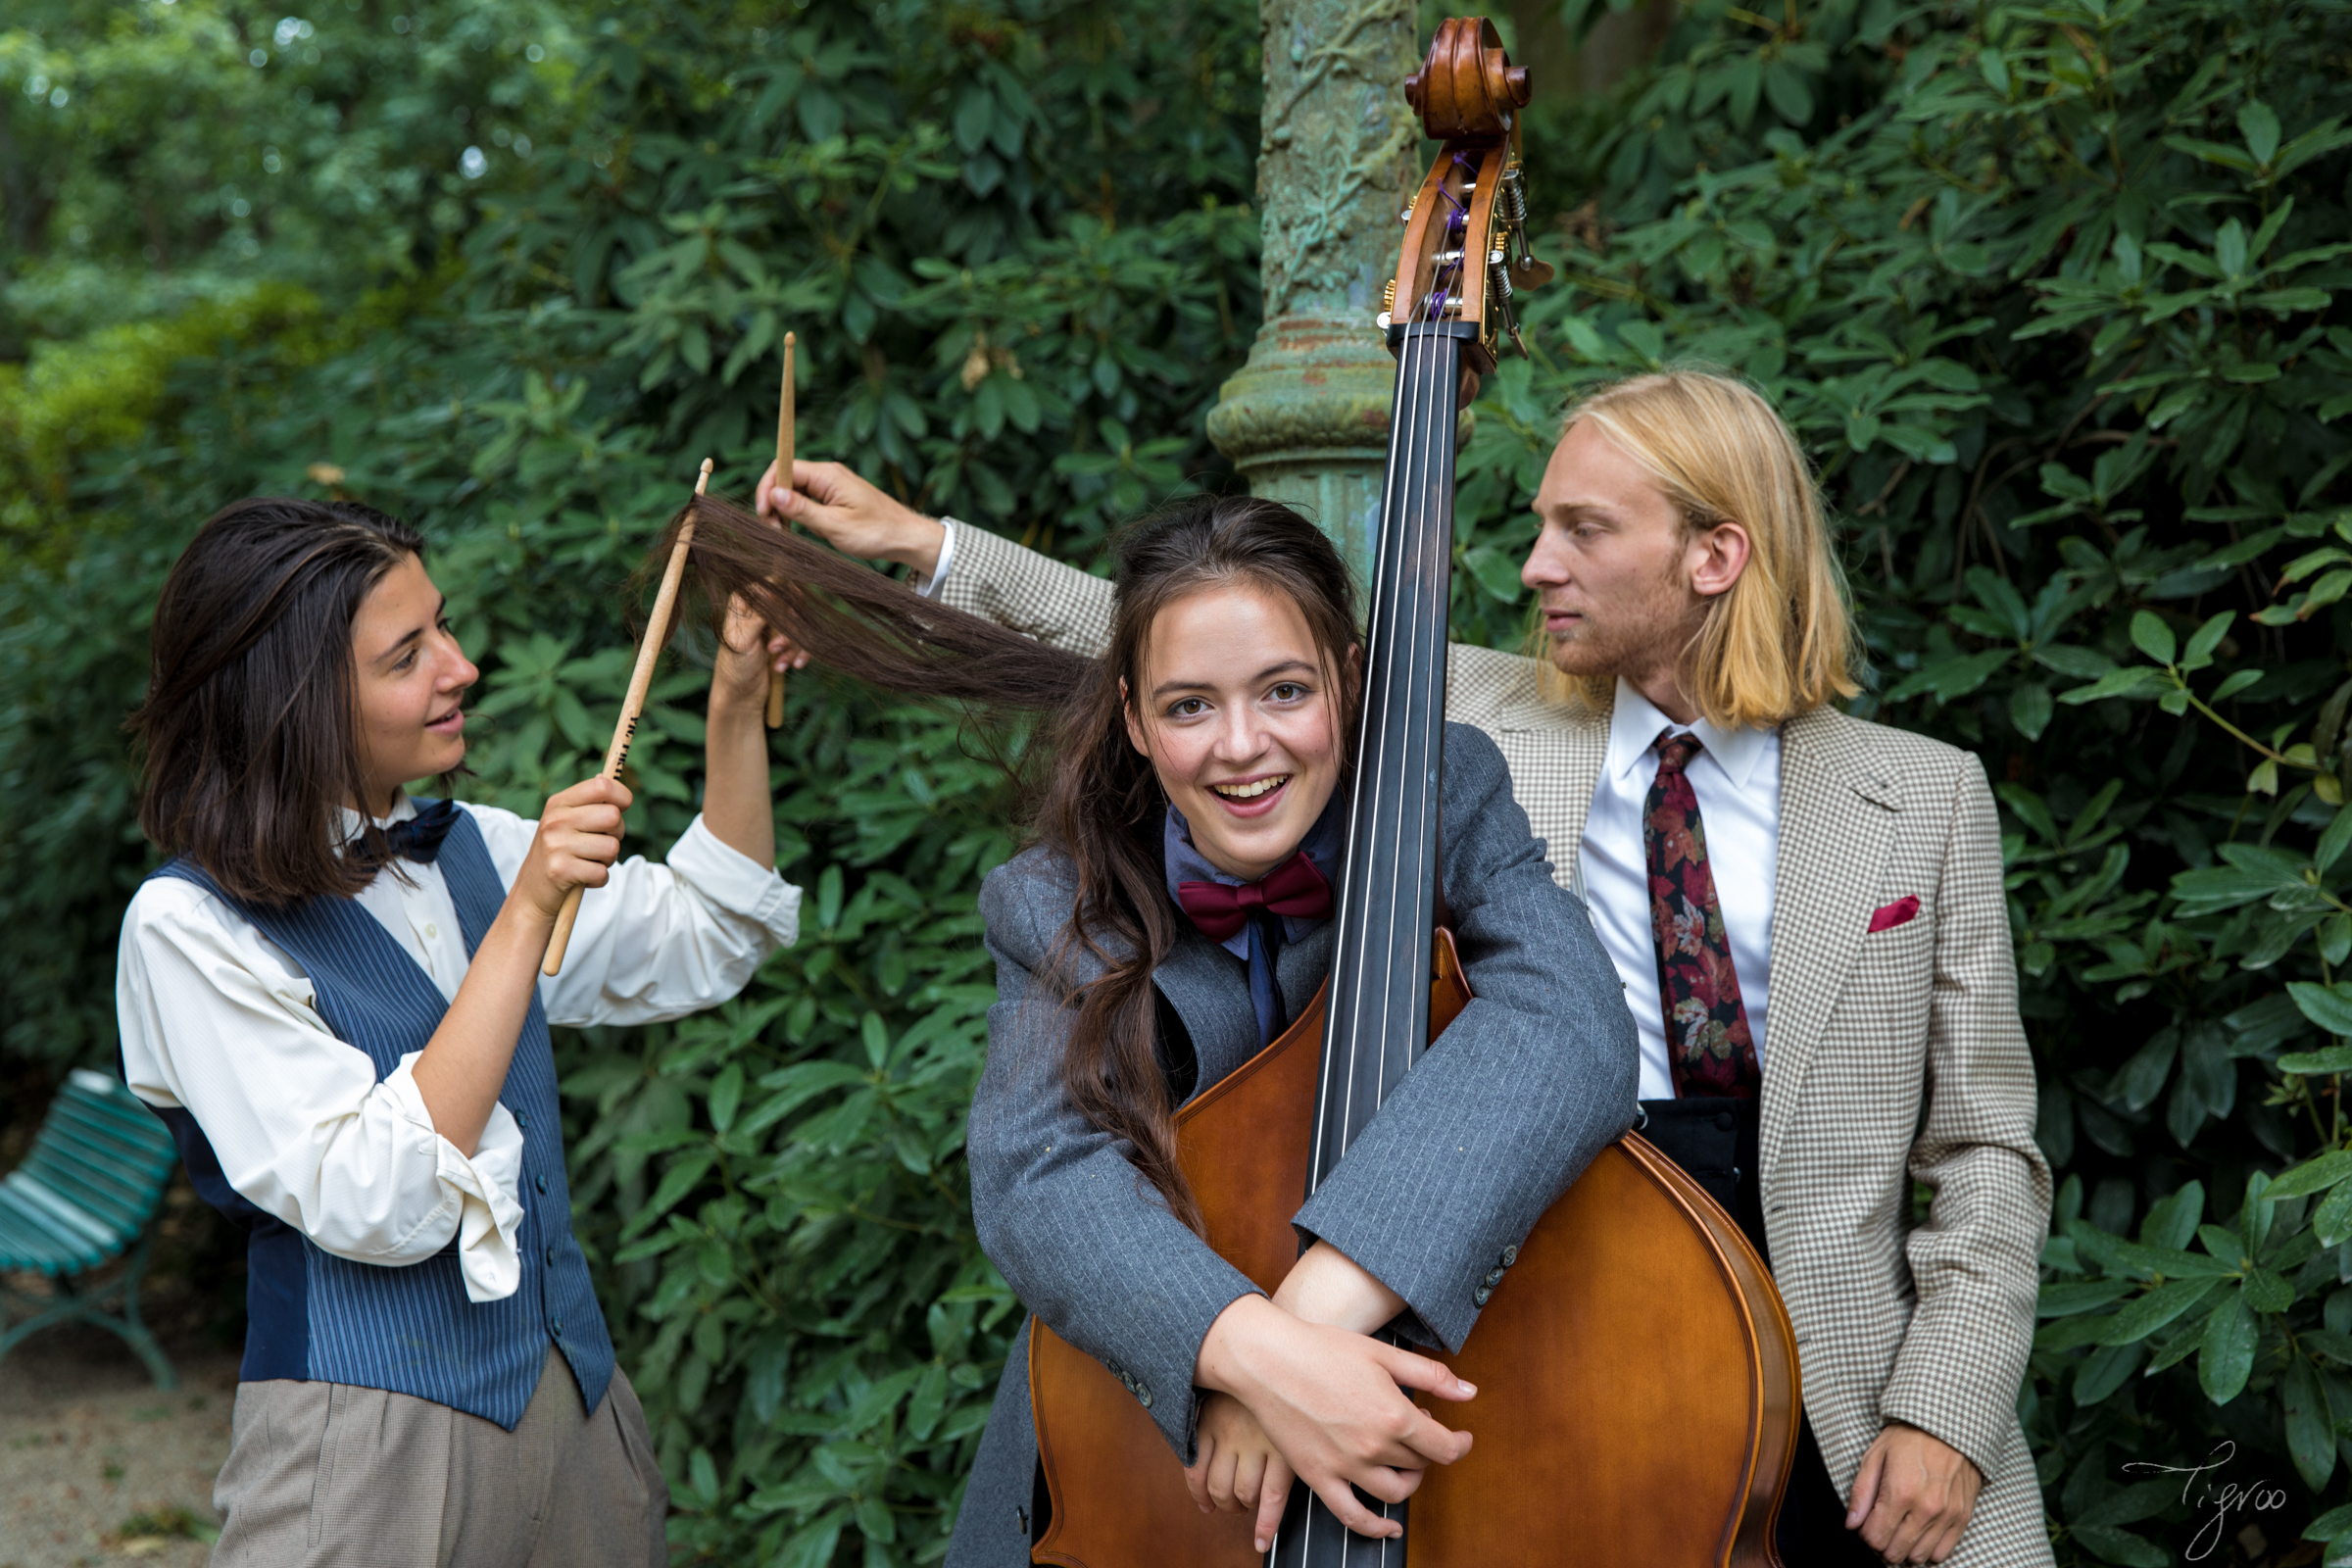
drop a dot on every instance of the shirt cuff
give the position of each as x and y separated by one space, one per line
736 882
929 586
489 1216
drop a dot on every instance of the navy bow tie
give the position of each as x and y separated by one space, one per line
420 838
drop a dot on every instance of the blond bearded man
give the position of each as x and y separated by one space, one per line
1806 910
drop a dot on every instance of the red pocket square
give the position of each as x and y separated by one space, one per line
1902 909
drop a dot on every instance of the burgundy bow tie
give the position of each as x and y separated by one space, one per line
1296 888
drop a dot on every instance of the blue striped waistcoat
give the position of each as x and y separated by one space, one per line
318 1317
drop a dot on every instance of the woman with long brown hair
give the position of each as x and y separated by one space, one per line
1170 919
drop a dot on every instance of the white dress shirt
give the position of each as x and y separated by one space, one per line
219 1019
928 586
1737 777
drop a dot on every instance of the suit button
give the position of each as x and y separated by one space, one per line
1494 1278
523 1123
1481 1295
1724 1121
539 1182
1510 1255
556 1326
1143 1392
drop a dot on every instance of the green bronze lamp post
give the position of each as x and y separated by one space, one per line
1307 420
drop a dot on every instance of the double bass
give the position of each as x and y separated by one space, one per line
1636 1370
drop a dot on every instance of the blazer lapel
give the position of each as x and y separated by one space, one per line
1303 965
1586 745
1210 992
1555 754
1837 805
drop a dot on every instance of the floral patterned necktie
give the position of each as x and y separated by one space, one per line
1707 1043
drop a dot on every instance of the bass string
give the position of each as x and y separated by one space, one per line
1408 653
1407 674
1372 965
1403 965
1347 1018
1381 968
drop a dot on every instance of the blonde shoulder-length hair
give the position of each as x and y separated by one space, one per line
1780 642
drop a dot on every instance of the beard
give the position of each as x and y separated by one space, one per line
1643 631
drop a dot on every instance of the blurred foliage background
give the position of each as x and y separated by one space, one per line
2051 293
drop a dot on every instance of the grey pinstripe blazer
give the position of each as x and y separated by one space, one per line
1533 1078
1892 1055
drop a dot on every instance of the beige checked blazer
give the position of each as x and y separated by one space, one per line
1890 1056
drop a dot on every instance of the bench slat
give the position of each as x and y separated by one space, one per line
46 1203
102 1091
148 1146
93 1191
130 1169
24 1245
50 1239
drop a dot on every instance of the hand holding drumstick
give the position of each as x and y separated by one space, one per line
657 635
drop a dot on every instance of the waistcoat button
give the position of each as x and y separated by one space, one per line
539 1182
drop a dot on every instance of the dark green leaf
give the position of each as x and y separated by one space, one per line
2328 1006
2159 1306
2104 1371
2266 1291
2310 1435
2312 1176
2231 1336
2064 1300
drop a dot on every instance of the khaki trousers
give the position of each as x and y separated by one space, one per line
324 1474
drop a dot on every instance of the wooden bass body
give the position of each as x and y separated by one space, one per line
1637 1372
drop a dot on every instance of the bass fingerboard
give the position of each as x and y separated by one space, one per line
1377 1022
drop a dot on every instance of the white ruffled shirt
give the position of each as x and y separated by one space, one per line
219 1020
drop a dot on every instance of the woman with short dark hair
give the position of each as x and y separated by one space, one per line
331 994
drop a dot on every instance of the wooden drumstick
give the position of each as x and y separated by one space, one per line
784 440
649 654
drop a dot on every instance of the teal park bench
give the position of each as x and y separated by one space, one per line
87 1192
